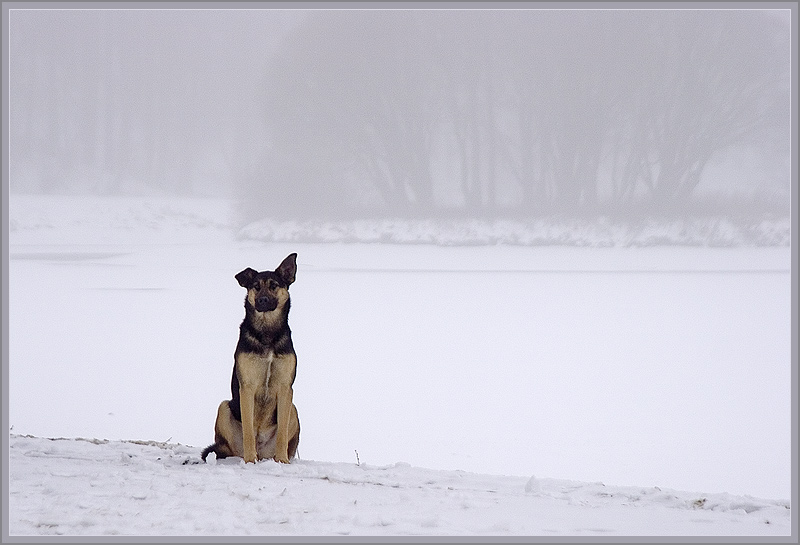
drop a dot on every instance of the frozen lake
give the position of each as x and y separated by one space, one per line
642 366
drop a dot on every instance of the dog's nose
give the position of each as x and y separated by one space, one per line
262 301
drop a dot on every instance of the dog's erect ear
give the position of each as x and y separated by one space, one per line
287 269
245 278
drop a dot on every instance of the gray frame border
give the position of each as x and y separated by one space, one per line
339 5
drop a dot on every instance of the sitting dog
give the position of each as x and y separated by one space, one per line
260 421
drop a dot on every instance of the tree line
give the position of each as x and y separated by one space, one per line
523 111
399 112
114 101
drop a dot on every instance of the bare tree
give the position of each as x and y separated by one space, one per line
578 109
711 83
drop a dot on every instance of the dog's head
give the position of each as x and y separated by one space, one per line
269 290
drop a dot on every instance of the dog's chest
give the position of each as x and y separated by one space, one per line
254 370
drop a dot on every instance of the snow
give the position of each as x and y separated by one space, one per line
652 369
129 219
607 232
101 488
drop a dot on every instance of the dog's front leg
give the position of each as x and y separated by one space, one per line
282 437
247 405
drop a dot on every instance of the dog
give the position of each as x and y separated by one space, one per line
260 420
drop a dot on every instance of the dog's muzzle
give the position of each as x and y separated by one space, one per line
266 304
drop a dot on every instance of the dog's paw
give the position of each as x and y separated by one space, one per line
281 459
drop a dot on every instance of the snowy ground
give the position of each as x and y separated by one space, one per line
604 232
649 369
90 487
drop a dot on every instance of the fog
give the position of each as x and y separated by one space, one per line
365 113
138 101
598 200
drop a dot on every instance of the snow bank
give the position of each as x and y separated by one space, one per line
600 233
107 219
92 487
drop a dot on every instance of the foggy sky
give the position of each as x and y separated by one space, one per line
401 111
108 100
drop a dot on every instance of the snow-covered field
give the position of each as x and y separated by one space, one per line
452 375
91 487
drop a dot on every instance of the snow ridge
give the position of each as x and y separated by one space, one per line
602 232
94 217
99 487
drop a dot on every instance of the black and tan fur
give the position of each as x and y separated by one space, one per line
260 421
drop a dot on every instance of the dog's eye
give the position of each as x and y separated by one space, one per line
273 284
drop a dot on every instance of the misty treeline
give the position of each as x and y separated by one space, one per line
119 101
395 112
502 112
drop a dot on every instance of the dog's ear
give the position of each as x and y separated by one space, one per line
287 268
245 278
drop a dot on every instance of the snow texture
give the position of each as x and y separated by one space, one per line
602 233
112 218
90 487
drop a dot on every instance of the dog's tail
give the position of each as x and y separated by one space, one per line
208 450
